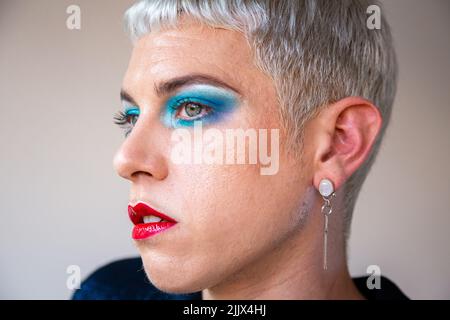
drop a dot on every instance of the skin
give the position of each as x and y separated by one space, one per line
240 234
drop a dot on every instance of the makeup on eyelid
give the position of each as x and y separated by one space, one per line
215 101
132 111
219 101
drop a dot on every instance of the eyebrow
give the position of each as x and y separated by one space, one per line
166 87
125 96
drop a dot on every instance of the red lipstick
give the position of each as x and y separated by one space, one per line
147 221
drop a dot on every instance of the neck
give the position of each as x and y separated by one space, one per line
294 271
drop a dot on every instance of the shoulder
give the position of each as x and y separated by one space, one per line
388 290
123 280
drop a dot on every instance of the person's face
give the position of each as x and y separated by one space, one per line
229 215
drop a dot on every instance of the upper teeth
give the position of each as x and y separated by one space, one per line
148 219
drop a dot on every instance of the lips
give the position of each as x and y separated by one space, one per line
147 221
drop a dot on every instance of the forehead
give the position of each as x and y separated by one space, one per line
192 48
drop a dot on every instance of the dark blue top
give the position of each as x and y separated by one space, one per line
126 280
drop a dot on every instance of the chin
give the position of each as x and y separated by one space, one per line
170 276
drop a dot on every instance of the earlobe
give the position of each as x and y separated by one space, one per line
354 124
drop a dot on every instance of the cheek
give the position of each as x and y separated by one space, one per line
216 194
232 209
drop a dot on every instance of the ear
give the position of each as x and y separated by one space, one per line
344 134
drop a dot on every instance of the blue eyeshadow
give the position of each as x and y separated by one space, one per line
220 101
132 111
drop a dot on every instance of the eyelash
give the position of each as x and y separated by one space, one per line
125 121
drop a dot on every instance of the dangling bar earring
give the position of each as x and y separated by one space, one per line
326 189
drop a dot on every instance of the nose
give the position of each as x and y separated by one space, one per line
142 152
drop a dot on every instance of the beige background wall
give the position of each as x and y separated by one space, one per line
59 90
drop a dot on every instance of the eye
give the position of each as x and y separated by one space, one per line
190 111
127 120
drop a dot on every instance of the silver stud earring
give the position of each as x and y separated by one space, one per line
326 189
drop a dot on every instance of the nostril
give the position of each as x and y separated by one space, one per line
140 173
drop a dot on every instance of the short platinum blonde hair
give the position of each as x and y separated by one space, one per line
315 51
